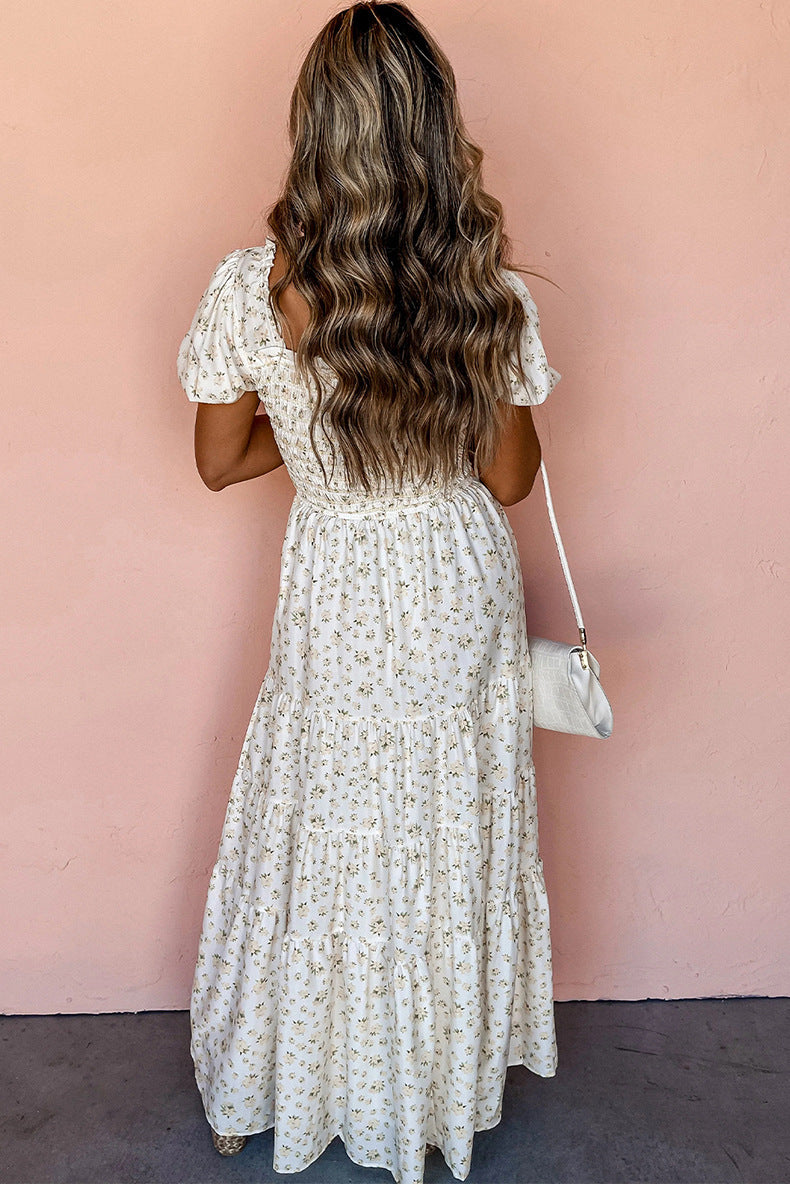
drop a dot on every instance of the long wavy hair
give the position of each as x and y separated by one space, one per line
397 248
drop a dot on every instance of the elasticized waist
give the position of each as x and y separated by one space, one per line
356 503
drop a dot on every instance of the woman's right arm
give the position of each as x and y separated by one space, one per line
512 475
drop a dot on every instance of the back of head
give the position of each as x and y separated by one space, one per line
398 249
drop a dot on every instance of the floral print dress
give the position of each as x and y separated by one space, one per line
375 948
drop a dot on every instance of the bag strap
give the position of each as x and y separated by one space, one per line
566 571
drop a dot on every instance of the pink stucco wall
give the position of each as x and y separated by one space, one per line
642 155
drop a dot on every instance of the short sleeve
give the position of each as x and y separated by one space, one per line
541 377
211 363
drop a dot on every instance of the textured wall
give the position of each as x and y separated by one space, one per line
642 156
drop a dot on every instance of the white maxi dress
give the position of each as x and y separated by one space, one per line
375 949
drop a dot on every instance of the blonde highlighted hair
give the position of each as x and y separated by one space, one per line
389 235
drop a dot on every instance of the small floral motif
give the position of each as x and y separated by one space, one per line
375 948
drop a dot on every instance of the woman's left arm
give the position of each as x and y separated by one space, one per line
232 443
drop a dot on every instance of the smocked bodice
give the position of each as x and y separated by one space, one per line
289 403
234 345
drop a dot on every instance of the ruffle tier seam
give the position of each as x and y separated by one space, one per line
282 701
529 884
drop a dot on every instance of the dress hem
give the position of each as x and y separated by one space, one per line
338 1133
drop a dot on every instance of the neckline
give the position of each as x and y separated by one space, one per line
271 244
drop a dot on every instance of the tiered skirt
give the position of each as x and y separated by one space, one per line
375 949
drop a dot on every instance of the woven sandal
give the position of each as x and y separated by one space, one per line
228 1144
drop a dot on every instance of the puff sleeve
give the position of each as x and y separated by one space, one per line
541 377
212 366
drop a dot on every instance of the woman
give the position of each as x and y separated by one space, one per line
375 948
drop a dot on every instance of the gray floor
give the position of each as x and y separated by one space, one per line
693 1091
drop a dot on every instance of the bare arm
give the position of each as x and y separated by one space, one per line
232 443
513 472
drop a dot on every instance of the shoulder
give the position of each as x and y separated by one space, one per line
242 265
515 281
239 270
541 377
247 269
251 261
251 266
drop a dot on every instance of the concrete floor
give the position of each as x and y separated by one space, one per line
693 1091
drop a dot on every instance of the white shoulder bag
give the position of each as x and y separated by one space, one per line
567 695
